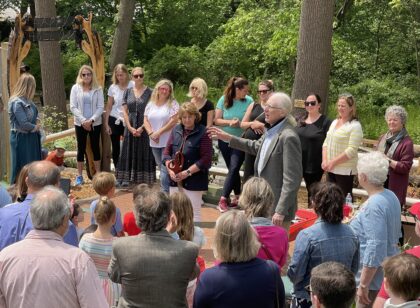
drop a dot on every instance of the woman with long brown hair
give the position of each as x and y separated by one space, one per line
230 111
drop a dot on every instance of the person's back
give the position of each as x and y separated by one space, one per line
155 269
242 284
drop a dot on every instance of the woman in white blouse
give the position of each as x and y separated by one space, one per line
339 151
87 106
114 116
159 118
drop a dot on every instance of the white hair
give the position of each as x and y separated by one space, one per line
283 101
375 166
48 208
398 111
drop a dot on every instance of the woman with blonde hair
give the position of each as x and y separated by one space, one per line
198 93
160 117
339 150
87 105
114 115
257 199
241 279
190 138
98 245
25 138
136 164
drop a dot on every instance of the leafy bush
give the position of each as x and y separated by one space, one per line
179 64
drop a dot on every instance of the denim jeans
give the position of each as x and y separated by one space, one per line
164 177
233 159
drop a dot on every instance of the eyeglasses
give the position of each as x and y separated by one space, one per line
311 103
308 289
86 74
263 91
194 88
138 76
272 107
164 89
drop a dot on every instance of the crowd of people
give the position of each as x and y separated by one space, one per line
158 264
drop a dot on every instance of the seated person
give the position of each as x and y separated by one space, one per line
57 155
332 286
104 185
402 281
129 221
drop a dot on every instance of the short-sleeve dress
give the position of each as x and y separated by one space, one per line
100 251
136 164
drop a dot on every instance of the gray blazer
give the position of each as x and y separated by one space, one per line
153 268
282 167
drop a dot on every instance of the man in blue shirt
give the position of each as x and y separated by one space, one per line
15 221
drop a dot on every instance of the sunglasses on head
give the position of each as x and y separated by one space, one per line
263 91
311 103
138 76
86 74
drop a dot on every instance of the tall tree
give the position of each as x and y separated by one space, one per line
314 56
122 33
51 66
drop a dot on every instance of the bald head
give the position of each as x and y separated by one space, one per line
42 173
278 106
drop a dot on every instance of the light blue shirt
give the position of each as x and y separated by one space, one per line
16 222
378 226
237 110
270 134
117 227
4 197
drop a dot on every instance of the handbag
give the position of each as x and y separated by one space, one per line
177 162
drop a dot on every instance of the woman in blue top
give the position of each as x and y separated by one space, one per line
230 110
25 141
377 225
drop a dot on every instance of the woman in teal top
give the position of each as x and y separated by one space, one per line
230 110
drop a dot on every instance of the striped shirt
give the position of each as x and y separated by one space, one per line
345 139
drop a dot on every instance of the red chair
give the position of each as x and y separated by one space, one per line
306 218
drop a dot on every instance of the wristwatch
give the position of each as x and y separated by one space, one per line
188 172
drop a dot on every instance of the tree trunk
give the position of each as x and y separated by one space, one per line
51 66
314 50
122 33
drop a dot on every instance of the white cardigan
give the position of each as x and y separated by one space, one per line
76 105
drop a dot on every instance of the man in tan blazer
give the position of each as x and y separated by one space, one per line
279 156
153 268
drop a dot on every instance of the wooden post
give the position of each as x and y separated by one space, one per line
18 51
4 118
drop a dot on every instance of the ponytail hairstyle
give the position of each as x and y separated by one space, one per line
104 211
230 91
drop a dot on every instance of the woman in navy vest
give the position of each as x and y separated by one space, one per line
190 137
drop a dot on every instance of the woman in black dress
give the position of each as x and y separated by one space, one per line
198 94
253 123
312 130
136 164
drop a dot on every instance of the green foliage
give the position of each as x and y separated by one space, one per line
52 120
179 64
257 43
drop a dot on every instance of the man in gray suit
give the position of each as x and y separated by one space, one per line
153 268
279 156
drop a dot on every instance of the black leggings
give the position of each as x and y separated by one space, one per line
345 182
116 132
311 178
81 137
